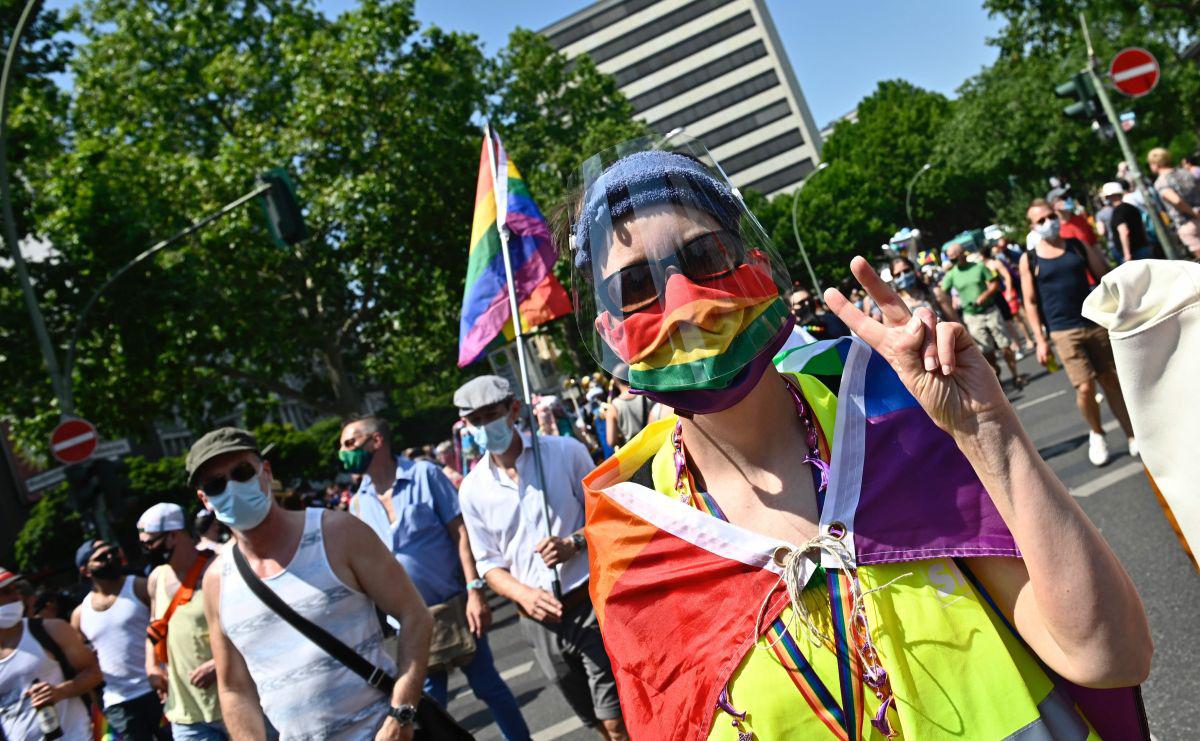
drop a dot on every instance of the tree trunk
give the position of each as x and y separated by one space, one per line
346 397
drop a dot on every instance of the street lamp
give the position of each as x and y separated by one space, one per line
57 380
796 229
908 194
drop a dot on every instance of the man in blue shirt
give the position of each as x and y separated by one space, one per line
414 508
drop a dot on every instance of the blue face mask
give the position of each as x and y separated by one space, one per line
242 506
495 436
905 281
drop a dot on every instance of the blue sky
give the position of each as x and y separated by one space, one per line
839 49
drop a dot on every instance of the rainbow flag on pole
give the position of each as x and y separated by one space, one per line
540 297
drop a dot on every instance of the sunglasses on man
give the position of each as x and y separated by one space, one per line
706 258
241 473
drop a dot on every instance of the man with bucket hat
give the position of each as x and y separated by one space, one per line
291 609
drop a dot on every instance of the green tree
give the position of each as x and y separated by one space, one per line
857 202
553 113
176 107
36 123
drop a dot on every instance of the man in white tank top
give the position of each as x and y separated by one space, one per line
113 617
333 571
31 677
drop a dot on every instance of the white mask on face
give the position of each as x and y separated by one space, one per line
11 613
1048 229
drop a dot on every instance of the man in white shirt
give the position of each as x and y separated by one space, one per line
520 556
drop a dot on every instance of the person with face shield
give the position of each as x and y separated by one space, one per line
505 503
851 539
179 661
45 669
114 617
291 571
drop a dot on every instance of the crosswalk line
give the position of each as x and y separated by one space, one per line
516 671
464 692
558 730
1039 400
1110 478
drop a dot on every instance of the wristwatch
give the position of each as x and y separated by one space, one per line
579 541
404 715
476 584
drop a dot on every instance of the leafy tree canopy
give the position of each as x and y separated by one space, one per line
176 106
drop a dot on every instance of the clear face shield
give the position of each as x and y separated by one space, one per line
676 286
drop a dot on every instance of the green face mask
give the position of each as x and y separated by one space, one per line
355 461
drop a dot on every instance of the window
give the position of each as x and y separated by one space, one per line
683 49
717 102
762 152
697 77
776 180
745 124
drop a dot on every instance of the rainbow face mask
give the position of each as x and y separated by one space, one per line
700 336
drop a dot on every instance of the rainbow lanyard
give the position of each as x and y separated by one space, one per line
843 720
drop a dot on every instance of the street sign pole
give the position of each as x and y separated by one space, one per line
1165 238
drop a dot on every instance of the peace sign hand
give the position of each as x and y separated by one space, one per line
936 361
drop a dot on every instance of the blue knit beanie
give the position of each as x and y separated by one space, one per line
651 178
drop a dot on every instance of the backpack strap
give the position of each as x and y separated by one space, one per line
38 630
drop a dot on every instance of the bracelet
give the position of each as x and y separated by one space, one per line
476 584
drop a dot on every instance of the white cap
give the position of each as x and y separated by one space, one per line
1112 189
161 518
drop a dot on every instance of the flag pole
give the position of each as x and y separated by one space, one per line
515 313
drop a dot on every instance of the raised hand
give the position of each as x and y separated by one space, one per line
937 362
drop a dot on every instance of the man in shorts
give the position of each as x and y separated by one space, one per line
977 287
1054 276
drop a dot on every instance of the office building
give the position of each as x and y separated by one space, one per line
714 67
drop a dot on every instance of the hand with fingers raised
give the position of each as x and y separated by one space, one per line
937 362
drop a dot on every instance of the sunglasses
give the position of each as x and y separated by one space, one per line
241 473
704 259
1044 219
149 545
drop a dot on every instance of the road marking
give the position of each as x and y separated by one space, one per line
1109 479
465 693
516 671
1040 399
558 730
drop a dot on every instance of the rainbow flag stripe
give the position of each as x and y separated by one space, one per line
486 316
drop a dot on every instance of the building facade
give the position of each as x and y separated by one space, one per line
716 68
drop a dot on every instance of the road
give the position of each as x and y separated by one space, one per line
1116 497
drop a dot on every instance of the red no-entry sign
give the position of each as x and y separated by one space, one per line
74 441
1134 71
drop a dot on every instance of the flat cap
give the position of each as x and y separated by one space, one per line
161 518
481 392
218 442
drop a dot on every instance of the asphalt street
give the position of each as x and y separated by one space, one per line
1118 499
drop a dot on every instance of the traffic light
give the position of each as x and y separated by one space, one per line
284 217
1086 106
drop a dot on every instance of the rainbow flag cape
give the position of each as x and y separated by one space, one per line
677 591
486 315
